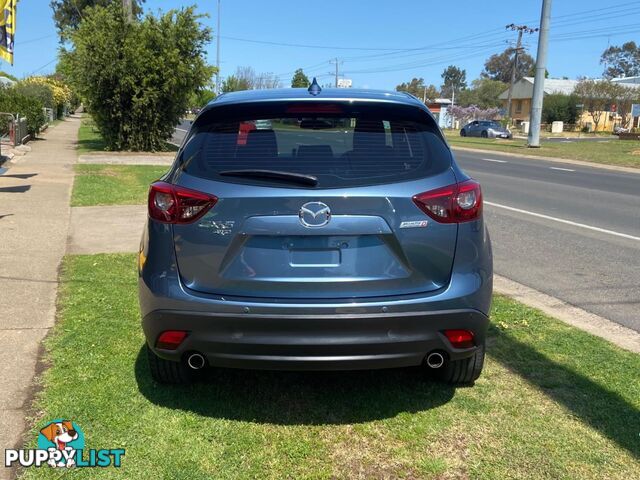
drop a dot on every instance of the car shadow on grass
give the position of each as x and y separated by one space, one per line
602 409
298 398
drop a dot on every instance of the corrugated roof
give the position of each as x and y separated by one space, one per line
523 88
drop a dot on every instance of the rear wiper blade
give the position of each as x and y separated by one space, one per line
275 174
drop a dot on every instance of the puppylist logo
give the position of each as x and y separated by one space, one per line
61 443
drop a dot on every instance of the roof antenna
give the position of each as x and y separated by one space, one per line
314 88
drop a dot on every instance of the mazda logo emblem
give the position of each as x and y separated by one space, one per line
314 214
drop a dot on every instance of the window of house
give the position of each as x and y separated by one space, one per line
518 106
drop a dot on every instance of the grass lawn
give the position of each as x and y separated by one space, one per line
613 152
113 184
90 140
553 402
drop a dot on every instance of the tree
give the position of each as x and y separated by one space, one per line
300 80
419 89
499 66
472 112
454 79
484 93
67 14
558 107
235 84
136 78
595 96
201 97
8 75
246 78
623 61
624 97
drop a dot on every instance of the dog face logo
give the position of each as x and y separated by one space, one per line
64 436
60 433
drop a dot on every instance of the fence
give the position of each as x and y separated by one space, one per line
13 130
49 114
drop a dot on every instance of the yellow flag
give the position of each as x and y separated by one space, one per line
7 29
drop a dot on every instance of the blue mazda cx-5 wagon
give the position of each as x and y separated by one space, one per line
315 230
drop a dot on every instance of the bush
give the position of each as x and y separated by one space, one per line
43 93
12 101
137 78
557 107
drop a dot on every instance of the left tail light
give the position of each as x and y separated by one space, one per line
174 204
460 202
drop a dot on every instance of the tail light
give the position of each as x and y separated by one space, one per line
460 202
171 339
460 338
174 204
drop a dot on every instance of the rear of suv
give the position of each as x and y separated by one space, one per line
315 230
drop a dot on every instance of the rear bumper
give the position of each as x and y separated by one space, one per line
314 341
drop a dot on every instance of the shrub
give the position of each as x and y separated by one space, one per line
12 101
558 107
137 78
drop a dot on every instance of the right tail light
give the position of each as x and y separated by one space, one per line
457 203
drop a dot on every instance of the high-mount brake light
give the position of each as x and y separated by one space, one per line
314 108
457 203
174 204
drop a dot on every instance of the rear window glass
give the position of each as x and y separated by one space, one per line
338 144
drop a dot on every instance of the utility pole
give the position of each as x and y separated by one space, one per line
520 29
337 63
127 7
541 68
218 52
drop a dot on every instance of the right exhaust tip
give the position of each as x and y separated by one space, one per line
196 361
435 360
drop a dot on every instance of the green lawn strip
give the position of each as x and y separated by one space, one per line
90 140
553 402
611 152
113 184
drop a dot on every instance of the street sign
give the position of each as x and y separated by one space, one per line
635 110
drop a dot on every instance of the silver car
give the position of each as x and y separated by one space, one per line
345 236
485 129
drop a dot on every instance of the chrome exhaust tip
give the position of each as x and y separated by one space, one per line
196 361
435 360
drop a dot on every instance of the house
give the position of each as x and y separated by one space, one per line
523 93
438 108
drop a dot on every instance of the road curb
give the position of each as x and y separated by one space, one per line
621 336
581 163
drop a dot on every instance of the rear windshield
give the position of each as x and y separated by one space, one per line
338 144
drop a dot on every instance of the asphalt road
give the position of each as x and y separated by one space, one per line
569 231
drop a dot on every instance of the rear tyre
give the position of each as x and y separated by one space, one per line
463 133
484 134
462 372
168 372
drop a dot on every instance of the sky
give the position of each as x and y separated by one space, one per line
378 44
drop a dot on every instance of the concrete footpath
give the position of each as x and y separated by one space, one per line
34 223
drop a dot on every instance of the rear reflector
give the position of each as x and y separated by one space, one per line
174 204
460 338
171 339
460 202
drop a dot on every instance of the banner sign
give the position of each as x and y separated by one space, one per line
7 29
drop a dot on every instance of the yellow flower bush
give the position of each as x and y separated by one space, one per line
61 92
